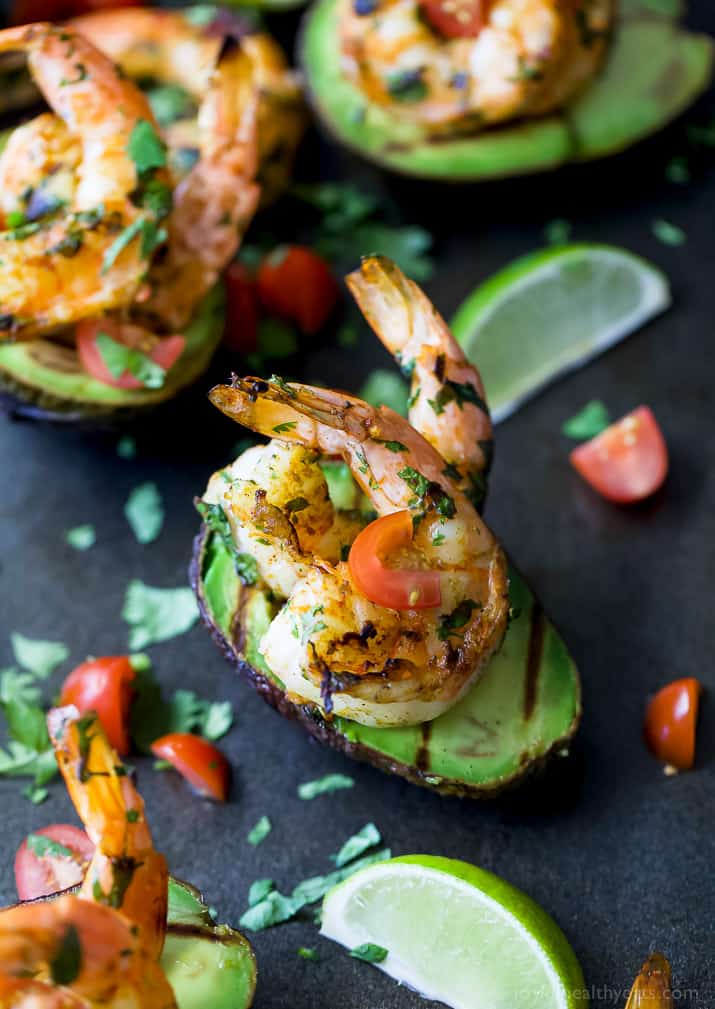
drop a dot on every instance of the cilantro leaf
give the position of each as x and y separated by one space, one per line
215 518
126 447
41 846
272 910
156 614
151 236
15 686
260 889
66 964
407 246
558 231
315 888
39 657
144 511
366 838
81 537
667 233
341 204
588 422
370 952
321 786
259 832
146 148
307 954
119 359
449 623
170 102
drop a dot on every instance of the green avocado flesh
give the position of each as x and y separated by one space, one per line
209 966
525 707
654 71
50 377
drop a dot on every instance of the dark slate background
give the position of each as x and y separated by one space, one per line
621 855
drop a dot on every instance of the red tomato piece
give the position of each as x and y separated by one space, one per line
242 309
165 353
104 685
396 588
628 461
202 764
296 283
456 19
39 875
670 722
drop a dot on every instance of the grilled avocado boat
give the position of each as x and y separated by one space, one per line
655 69
524 709
209 966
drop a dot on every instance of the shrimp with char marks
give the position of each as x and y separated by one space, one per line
329 644
99 948
67 266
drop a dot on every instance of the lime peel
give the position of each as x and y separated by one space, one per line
552 311
457 934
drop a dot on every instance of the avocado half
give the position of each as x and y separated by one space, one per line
655 69
43 380
525 708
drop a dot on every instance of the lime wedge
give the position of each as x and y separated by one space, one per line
552 311
456 934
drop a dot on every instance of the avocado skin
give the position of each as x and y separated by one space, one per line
325 733
521 148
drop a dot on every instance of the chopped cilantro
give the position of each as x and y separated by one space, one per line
272 910
146 148
588 422
169 103
418 484
297 504
81 537
289 425
151 236
259 832
66 964
370 952
119 359
407 85
307 954
156 614
215 518
667 233
558 231
22 232
126 447
39 657
459 393
449 623
260 889
356 845
393 446
321 786
43 846
678 170
438 539
144 512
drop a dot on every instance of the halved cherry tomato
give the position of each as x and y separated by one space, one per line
670 722
39 875
104 685
397 588
455 19
165 353
628 461
295 283
242 309
202 764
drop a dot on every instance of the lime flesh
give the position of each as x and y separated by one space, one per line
456 934
553 311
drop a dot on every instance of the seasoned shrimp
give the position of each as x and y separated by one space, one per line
499 60
447 404
214 204
126 872
329 644
166 46
67 266
101 947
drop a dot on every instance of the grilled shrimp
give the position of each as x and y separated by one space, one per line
99 948
214 204
447 404
329 644
62 268
521 58
165 46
